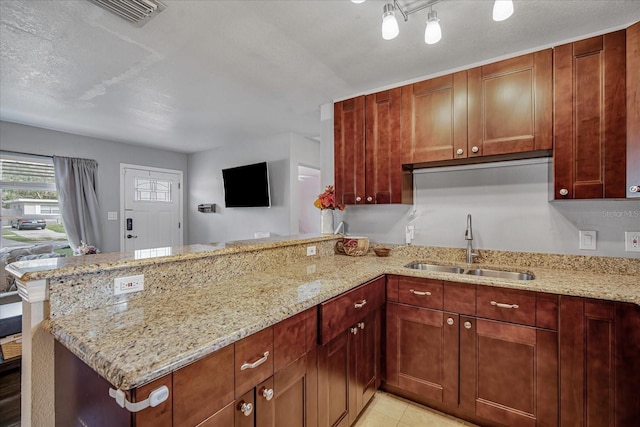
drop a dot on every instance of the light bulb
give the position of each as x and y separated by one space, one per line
502 9
357 1
390 28
433 32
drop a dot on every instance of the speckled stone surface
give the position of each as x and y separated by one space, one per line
136 341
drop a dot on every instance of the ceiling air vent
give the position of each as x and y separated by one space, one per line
139 12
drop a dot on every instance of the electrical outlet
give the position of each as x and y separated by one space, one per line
311 250
632 241
128 284
311 269
588 240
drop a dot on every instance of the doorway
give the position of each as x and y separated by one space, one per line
150 207
308 190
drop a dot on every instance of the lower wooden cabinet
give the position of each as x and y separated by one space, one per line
509 372
599 369
349 372
487 370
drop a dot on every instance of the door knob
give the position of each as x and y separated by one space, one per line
369 199
459 151
131 236
267 393
246 408
358 198
475 149
564 192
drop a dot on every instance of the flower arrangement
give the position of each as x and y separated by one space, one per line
85 249
327 200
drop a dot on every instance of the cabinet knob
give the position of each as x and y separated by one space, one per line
267 393
361 325
450 321
475 149
564 192
467 325
354 331
246 408
358 199
460 151
369 199
634 188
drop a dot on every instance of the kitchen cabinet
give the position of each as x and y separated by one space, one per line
633 110
434 119
367 154
266 379
287 397
599 371
510 105
590 118
349 357
486 354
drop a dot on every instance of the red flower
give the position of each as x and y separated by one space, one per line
327 200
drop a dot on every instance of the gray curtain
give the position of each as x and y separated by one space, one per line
76 185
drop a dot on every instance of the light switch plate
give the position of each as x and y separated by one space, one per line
112 216
588 240
632 241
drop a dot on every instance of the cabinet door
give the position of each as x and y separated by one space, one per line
422 352
434 119
385 179
245 410
508 372
367 354
510 105
334 367
280 400
599 372
349 153
590 118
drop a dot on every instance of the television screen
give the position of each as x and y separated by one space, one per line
246 186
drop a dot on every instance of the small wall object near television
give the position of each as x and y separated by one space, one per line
246 186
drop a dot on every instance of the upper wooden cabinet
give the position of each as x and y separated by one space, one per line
434 119
367 153
348 128
510 105
590 118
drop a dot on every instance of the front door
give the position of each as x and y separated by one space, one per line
152 207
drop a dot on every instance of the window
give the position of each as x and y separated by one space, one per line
30 214
152 190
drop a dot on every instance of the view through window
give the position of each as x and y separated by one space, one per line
30 214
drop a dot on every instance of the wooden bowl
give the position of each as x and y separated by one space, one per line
355 246
382 251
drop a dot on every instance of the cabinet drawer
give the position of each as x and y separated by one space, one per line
253 360
338 313
293 337
510 305
420 292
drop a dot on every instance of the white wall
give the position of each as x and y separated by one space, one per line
108 154
304 152
206 186
510 210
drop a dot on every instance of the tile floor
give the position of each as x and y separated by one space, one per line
387 410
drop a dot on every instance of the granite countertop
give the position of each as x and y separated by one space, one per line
138 341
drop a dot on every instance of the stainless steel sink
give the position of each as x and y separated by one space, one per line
498 274
435 267
511 275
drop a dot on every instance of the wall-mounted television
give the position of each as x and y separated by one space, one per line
246 186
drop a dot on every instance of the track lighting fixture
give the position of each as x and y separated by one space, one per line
390 28
433 32
502 9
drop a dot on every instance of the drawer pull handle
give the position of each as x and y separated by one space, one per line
501 305
255 364
360 304
421 293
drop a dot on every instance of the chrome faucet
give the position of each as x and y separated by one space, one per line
468 236
341 225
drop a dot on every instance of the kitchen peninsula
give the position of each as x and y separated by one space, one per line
200 300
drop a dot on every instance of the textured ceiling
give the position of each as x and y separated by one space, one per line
208 73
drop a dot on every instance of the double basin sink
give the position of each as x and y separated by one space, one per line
510 275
